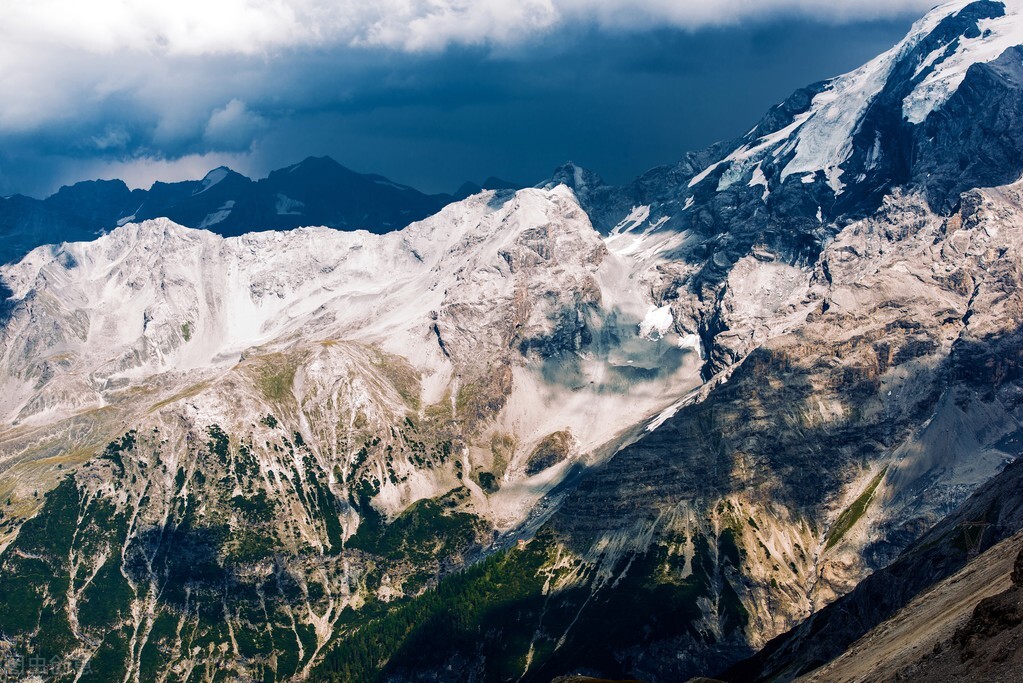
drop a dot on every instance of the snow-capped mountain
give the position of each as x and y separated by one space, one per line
486 296
708 403
937 113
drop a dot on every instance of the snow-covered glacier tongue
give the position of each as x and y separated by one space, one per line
865 131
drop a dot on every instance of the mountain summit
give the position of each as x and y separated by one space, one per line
936 113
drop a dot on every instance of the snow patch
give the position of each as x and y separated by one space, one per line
692 343
388 183
637 217
760 180
657 323
286 206
824 143
212 178
642 246
218 216
699 177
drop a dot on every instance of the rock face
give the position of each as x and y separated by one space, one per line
708 404
762 498
510 317
992 515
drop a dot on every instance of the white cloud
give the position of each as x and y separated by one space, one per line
233 126
61 58
113 137
179 27
415 25
702 13
143 171
196 27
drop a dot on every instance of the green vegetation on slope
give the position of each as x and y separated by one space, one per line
852 514
498 620
419 535
411 631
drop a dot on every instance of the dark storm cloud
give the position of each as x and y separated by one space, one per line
618 102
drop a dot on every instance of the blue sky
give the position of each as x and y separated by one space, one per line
427 92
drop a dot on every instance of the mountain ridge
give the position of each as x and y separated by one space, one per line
317 191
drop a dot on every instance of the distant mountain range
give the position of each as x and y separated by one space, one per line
315 192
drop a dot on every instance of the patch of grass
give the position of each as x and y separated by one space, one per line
487 481
258 508
402 376
107 599
480 400
852 514
186 332
276 376
116 449
219 443
34 577
411 633
252 546
502 446
108 663
161 639
491 615
729 549
191 391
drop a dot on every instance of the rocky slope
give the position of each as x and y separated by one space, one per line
511 315
968 626
764 497
906 608
255 422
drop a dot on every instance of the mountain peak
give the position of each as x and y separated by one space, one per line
469 188
978 33
910 117
97 183
576 177
217 176
313 164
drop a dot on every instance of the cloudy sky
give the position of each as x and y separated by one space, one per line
427 92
